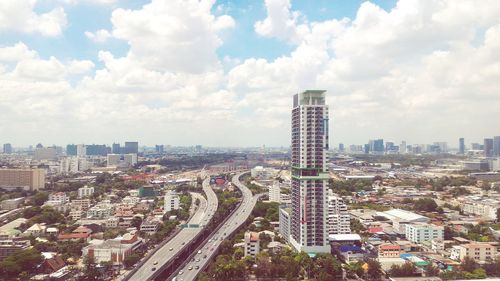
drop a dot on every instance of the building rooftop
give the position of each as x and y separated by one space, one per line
403 215
344 237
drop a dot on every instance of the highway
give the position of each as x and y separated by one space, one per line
207 250
202 216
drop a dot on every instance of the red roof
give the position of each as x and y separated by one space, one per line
390 247
68 236
375 229
54 264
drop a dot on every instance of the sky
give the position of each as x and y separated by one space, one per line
223 73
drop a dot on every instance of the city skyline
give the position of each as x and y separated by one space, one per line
392 70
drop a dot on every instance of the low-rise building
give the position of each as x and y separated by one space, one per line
112 250
388 250
80 233
150 225
420 232
275 192
9 246
102 210
85 191
59 197
76 214
338 218
11 204
37 229
171 201
262 173
284 224
80 204
252 244
480 252
483 207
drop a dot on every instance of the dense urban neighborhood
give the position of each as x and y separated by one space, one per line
388 216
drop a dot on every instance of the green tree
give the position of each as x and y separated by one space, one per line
136 222
431 270
405 270
39 198
425 204
374 271
469 264
326 267
23 260
493 268
130 260
355 269
90 272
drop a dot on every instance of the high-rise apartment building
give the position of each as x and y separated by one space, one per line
71 149
131 147
309 212
30 179
376 146
488 147
81 150
116 149
461 146
402 147
97 149
45 153
7 148
159 148
496 146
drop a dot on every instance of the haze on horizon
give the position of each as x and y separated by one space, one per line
223 73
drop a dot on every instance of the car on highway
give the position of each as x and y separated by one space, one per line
190 268
170 249
199 252
197 267
155 263
153 269
180 272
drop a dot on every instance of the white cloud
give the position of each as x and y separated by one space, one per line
389 74
280 22
172 35
100 36
18 15
97 2
17 52
423 71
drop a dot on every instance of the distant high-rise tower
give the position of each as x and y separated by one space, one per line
131 147
309 221
159 148
116 149
461 146
81 150
496 146
71 149
488 147
7 148
402 147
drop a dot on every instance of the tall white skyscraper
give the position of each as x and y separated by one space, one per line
309 212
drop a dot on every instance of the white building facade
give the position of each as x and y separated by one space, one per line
420 232
339 220
309 212
171 201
